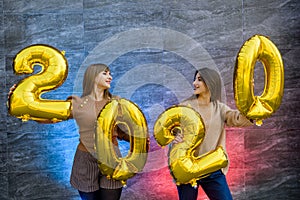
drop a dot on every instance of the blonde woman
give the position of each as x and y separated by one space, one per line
86 176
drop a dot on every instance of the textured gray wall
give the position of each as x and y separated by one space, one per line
152 48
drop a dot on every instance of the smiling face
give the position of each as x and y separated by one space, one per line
199 85
103 80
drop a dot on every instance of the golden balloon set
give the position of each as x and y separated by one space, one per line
25 102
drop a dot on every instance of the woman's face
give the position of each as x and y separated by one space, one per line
103 80
199 85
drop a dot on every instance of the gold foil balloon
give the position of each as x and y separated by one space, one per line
184 166
125 112
25 101
258 48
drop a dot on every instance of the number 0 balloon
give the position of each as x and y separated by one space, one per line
127 113
258 48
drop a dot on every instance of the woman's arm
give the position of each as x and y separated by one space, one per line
235 118
70 98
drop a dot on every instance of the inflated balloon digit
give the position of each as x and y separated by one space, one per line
258 48
25 101
184 166
127 113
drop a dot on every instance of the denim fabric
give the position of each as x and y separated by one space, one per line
215 186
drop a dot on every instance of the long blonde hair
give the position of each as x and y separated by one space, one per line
89 79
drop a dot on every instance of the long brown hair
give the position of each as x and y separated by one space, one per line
89 79
212 80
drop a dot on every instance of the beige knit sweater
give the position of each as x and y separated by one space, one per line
215 116
85 111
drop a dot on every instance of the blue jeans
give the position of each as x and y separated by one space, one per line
215 186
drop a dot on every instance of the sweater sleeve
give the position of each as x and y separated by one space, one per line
234 118
75 100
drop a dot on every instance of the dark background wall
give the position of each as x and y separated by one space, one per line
152 48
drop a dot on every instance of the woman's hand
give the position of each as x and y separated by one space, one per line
178 138
11 89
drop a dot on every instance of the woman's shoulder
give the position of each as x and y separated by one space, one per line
188 101
116 97
223 107
219 104
74 98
